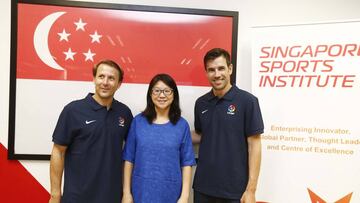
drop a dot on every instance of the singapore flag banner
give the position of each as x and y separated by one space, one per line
57 47
63 43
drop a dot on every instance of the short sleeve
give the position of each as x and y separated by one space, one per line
130 118
187 157
63 132
254 123
130 144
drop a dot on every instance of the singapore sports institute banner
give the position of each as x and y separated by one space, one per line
307 79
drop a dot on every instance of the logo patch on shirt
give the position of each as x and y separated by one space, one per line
121 121
231 109
204 111
88 122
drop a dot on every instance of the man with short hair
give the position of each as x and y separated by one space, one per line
88 141
228 124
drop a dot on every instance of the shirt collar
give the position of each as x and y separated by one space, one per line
228 95
94 104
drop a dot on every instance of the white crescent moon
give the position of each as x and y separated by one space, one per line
41 36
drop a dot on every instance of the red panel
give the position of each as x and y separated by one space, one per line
143 43
17 185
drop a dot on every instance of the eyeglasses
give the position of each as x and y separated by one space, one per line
157 92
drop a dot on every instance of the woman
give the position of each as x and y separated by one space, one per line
158 152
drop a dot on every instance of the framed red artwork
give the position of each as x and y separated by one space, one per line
55 44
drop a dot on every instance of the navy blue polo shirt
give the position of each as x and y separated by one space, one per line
93 161
224 125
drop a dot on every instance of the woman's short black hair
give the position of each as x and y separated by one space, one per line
175 111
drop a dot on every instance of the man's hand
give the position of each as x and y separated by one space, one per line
248 197
55 199
127 198
183 200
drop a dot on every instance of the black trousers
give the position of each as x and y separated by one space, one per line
203 198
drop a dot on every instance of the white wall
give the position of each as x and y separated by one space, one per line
5 68
251 13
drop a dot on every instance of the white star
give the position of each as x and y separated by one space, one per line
95 37
69 54
64 35
89 55
80 25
